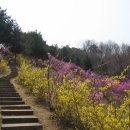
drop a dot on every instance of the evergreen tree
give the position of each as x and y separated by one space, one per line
9 32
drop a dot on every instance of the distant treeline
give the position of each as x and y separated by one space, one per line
105 58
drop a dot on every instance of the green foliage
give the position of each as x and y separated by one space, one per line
54 50
9 31
33 45
73 55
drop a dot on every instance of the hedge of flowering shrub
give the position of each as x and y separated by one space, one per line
3 66
86 100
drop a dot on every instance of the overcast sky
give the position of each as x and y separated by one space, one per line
65 22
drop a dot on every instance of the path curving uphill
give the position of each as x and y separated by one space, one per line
14 113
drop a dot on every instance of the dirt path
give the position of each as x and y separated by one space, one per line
40 111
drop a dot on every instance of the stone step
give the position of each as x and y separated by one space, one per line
5 82
2 80
10 95
15 107
12 75
14 71
8 90
10 99
6 86
19 119
11 102
6 94
16 112
22 126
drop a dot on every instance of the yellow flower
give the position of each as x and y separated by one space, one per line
116 82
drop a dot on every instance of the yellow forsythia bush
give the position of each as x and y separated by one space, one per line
34 79
3 66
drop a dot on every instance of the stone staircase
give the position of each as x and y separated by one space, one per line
14 113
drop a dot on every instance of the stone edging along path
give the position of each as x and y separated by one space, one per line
14 113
